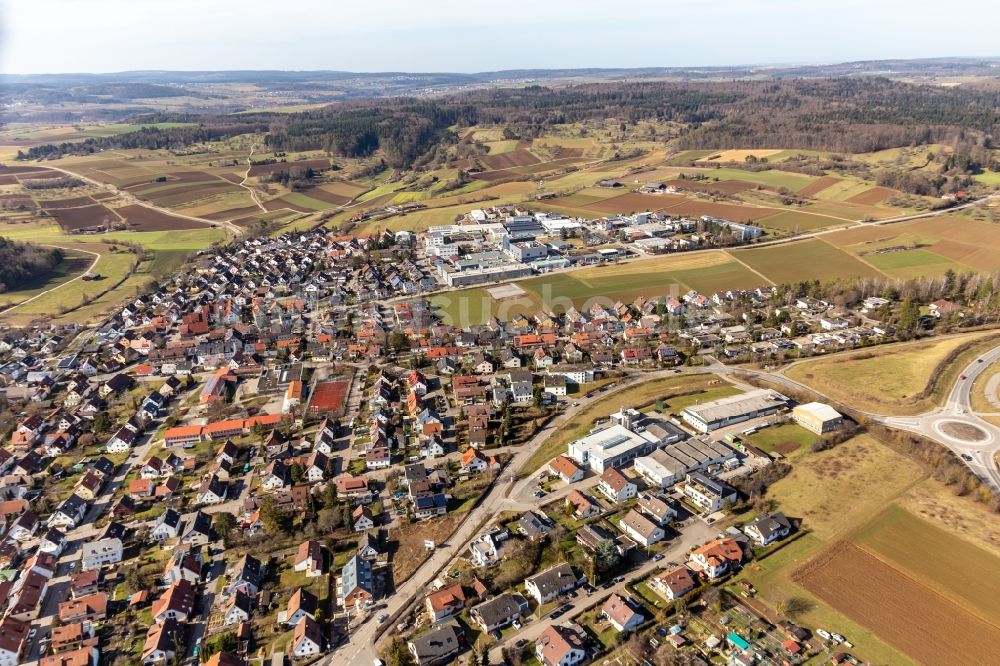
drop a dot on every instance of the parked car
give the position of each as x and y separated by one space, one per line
824 634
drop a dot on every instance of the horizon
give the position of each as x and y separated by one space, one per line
51 37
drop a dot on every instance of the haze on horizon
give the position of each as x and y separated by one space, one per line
56 36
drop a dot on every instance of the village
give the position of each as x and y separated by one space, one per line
253 460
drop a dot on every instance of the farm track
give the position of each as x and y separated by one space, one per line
246 176
238 233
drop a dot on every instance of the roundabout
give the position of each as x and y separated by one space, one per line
962 431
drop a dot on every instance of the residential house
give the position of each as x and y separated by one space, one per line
616 486
559 645
499 612
438 646
552 582
641 529
621 612
307 638
673 583
768 528
717 557
445 603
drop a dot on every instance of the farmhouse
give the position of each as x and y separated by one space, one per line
735 409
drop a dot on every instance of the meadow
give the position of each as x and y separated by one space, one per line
891 379
807 259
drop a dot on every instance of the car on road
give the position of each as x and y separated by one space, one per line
657 557
565 608
619 579
383 617
966 457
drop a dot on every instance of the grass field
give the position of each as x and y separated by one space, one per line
797 221
770 178
787 439
811 258
889 379
913 263
73 264
834 493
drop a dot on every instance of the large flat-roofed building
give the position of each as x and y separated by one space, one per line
735 409
629 436
818 417
665 467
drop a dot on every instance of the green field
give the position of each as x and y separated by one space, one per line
795 221
786 439
771 178
913 263
808 259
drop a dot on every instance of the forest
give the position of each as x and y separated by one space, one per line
21 263
849 115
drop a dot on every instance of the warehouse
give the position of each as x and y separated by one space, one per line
817 417
736 409
665 467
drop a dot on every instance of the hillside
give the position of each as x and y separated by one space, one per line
22 263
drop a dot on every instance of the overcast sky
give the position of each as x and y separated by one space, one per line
474 35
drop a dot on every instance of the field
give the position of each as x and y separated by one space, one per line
794 221
772 178
818 185
785 439
808 259
833 493
73 264
913 263
890 379
72 219
740 155
924 625
141 218
928 553
872 196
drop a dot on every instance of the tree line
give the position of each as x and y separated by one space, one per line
21 263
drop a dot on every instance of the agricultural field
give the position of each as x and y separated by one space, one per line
740 155
928 553
773 178
889 379
84 217
807 259
926 626
834 493
795 221
75 262
914 263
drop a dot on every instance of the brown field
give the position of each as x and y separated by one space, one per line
553 165
171 177
344 188
17 169
278 204
321 164
42 173
325 196
8 180
65 203
724 186
519 157
147 219
730 212
101 196
873 196
564 152
189 192
908 615
632 202
817 186
13 200
740 155
233 178
231 213
71 219
491 176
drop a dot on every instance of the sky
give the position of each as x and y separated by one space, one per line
56 36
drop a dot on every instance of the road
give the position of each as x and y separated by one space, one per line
93 265
246 176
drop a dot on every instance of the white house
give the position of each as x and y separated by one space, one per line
98 553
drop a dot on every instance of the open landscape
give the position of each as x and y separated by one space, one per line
316 353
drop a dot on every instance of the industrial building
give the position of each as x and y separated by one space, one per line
665 467
735 409
817 417
629 436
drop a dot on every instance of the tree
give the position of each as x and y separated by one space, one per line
329 520
606 556
102 422
224 523
273 518
297 472
133 580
